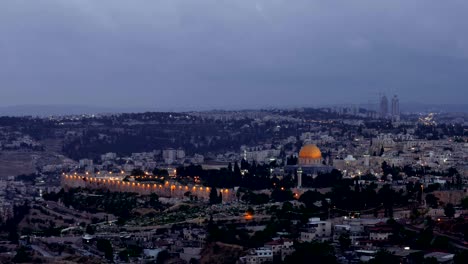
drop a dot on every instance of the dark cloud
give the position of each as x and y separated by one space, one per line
214 53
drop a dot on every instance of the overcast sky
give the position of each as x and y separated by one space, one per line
245 53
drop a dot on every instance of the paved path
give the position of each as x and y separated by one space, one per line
42 251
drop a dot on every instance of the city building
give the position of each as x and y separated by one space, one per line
316 229
258 255
395 108
380 232
172 155
281 247
85 163
383 107
310 155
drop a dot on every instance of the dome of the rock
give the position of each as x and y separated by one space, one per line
310 154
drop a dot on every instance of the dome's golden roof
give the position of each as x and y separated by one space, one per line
310 151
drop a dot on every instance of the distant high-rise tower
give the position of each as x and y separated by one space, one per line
395 108
383 107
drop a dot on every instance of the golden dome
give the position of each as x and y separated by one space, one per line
310 151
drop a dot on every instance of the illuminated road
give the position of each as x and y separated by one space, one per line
240 219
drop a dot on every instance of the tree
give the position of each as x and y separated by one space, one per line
432 200
449 210
279 195
430 260
22 256
13 236
428 222
432 187
256 199
384 257
237 171
214 199
464 203
424 239
441 243
90 230
327 179
134 251
162 257
345 241
387 196
244 165
452 172
160 172
291 160
368 177
306 252
461 257
250 211
415 214
105 246
137 172
154 200
459 182
310 197
123 255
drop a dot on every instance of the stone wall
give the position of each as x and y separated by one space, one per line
452 196
168 189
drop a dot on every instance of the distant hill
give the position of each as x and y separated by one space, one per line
421 107
48 110
60 110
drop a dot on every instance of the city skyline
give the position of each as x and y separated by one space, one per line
233 131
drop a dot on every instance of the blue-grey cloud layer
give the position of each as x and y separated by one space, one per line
214 53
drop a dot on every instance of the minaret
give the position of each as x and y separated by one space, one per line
299 178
